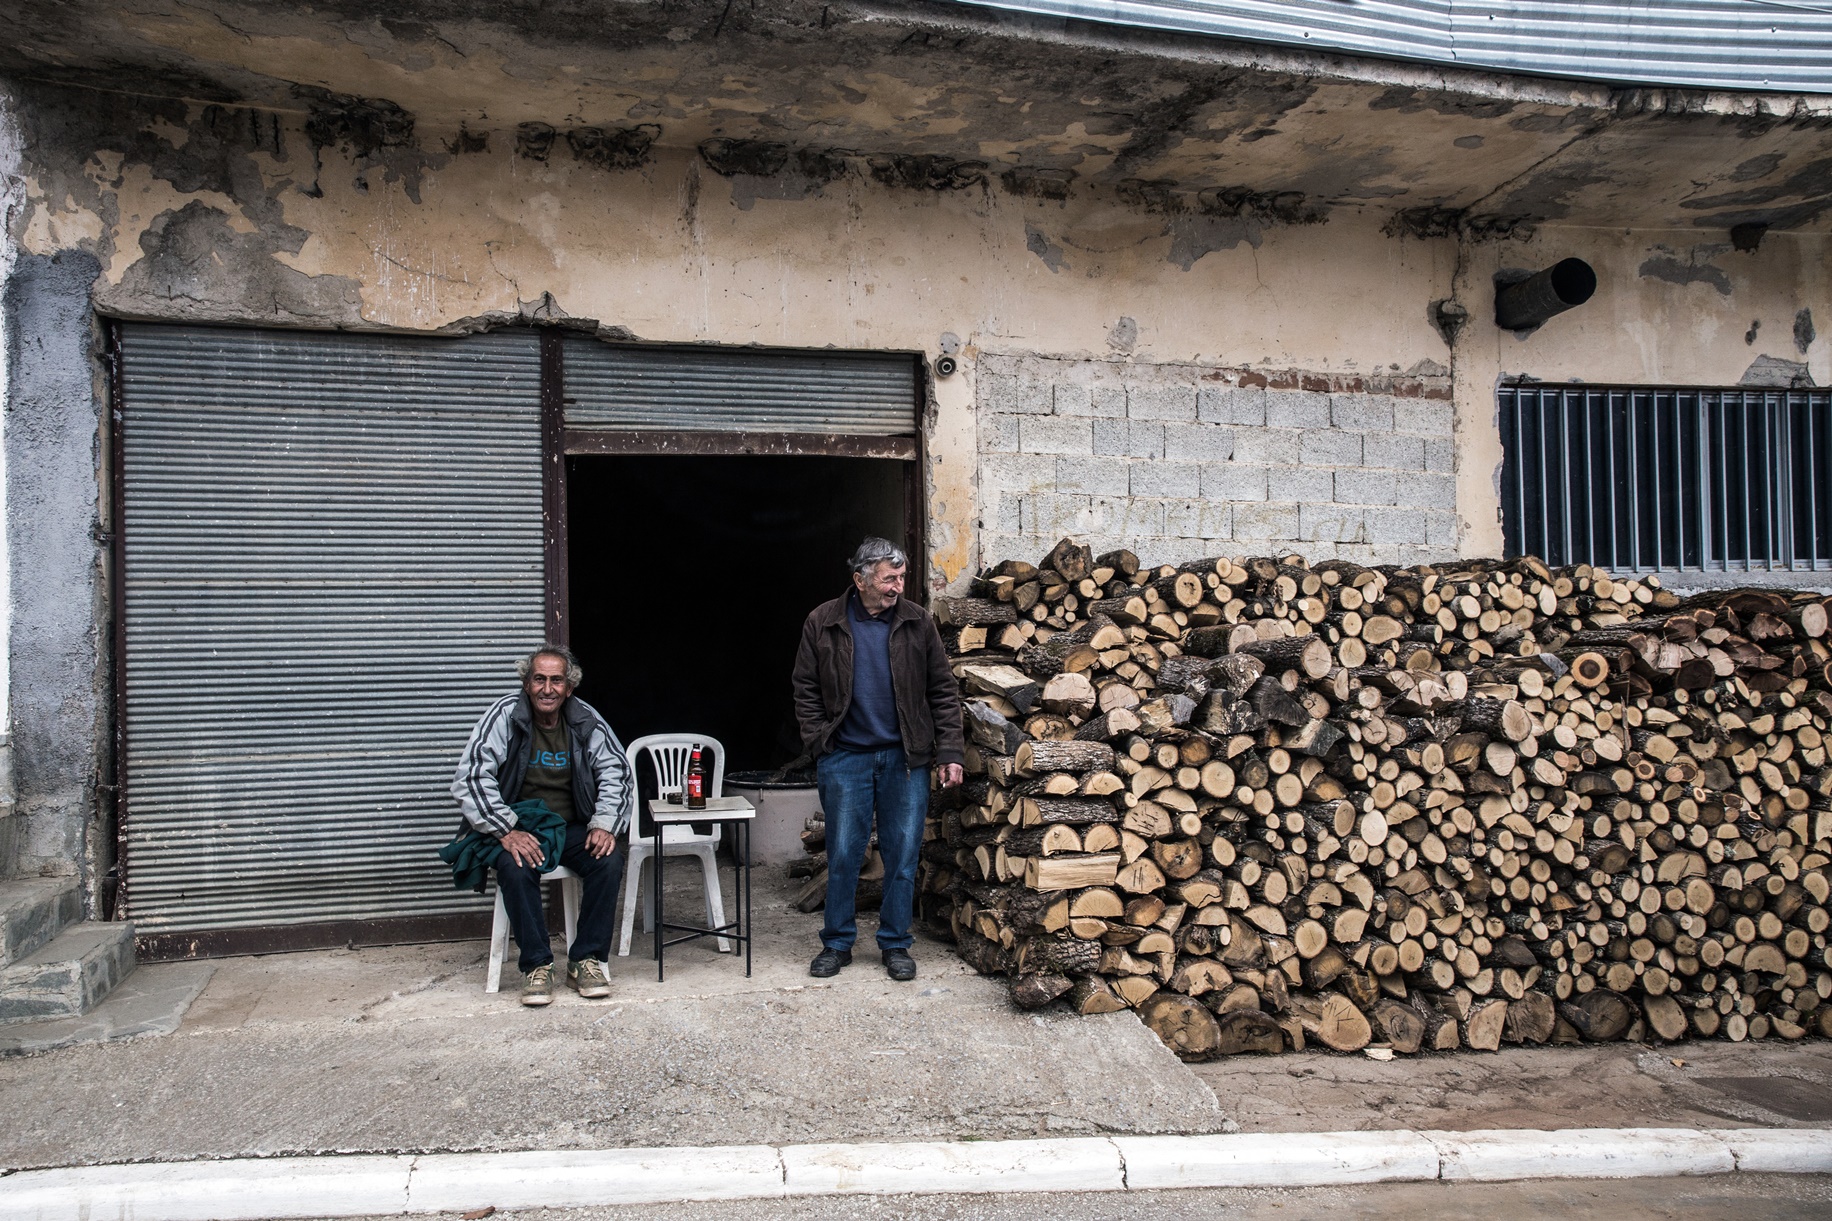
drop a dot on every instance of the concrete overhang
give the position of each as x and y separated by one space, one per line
943 96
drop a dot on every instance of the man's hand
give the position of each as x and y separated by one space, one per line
952 774
600 843
524 849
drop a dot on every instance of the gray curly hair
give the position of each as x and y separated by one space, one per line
875 551
574 675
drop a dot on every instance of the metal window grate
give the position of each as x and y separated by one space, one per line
1640 479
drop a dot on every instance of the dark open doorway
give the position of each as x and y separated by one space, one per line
689 578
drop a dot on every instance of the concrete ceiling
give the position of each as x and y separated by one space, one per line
942 96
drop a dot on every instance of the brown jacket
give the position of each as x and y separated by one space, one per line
928 701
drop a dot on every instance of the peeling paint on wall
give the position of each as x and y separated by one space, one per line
1667 266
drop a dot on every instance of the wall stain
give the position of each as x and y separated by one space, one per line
1804 334
1749 336
1039 244
615 148
1689 271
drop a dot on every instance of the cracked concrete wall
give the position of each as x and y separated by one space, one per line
363 219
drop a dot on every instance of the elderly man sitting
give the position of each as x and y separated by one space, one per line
541 745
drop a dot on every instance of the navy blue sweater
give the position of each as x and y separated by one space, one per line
871 721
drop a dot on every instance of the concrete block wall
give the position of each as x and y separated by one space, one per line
1181 461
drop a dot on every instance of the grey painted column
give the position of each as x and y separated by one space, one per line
54 464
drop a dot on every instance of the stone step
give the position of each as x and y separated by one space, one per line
69 974
34 910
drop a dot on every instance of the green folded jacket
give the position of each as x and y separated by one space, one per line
472 854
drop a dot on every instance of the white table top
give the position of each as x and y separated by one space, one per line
718 809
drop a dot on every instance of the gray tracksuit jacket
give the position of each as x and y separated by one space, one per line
495 762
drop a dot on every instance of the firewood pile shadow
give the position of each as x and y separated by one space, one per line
1270 804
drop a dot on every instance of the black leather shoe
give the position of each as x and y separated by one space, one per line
899 965
828 963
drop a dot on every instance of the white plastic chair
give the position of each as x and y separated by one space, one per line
499 926
669 754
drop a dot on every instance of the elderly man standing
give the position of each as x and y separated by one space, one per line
541 744
878 706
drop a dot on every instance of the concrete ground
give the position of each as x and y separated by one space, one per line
400 1050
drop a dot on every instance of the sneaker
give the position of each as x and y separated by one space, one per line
899 965
587 977
537 986
828 963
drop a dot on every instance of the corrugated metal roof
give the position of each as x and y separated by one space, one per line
1760 45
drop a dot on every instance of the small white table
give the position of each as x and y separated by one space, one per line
734 812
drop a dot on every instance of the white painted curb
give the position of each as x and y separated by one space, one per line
953 1166
269 1189
245 1190
1282 1159
1780 1150
1580 1153
460 1182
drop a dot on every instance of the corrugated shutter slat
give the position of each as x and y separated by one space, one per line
333 552
627 388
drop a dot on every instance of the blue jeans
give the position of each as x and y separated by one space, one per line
853 784
598 878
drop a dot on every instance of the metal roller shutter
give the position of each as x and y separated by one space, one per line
630 388
332 553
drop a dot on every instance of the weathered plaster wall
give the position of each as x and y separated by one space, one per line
52 440
1137 365
214 213
1671 308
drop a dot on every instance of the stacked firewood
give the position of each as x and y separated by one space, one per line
1263 802
812 894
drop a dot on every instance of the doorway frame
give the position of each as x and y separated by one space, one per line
558 443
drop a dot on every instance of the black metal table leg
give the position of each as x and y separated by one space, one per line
661 927
749 928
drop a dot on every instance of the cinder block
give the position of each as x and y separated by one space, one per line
1006 516
1362 412
1331 523
1266 522
1165 479
1246 405
1128 517
1203 519
1297 409
1129 439
1329 447
1302 484
998 433
1093 476
1388 526
1440 454
1031 397
1273 446
1055 514
1427 417
1440 529
1161 403
1074 399
1365 487
1394 451
1198 442
1232 481
1051 435
1426 491
1017 473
